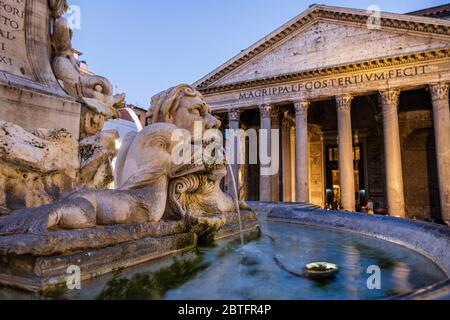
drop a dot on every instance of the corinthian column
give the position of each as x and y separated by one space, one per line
286 152
393 158
441 117
265 181
301 151
234 117
346 166
276 176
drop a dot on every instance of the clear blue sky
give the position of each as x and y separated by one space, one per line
145 46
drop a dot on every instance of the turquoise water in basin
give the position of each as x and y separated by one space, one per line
268 267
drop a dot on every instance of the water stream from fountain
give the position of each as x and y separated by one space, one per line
236 200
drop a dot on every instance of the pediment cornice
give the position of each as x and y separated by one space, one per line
362 66
391 21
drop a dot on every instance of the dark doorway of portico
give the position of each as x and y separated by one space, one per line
333 188
419 155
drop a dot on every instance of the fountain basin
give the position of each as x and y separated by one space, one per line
228 270
427 239
265 267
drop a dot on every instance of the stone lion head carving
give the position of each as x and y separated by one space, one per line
182 106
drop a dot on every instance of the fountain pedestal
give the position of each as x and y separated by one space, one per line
27 262
39 262
250 225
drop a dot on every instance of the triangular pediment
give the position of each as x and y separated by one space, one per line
328 36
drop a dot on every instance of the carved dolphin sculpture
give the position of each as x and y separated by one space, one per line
95 91
145 168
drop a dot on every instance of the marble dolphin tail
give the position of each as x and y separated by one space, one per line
40 220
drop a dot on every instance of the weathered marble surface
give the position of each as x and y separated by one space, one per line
97 153
39 166
36 168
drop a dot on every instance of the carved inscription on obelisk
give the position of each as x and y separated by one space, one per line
13 50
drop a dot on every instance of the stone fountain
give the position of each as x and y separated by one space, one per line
56 210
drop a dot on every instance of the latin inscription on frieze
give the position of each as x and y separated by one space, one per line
13 51
335 83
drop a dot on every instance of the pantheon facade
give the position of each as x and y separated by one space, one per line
361 100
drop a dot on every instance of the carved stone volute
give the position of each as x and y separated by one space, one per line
344 102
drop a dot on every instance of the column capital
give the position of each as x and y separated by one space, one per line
265 110
344 102
390 97
439 91
234 115
302 107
